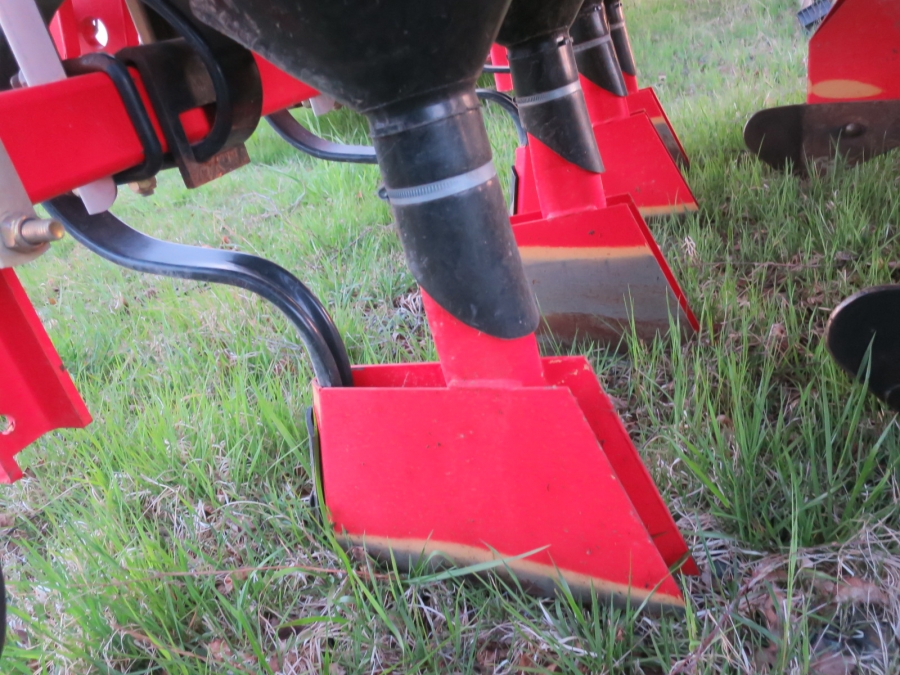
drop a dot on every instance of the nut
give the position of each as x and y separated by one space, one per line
145 187
853 129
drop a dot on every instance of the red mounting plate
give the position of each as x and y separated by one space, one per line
36 393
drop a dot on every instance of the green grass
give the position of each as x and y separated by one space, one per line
175 534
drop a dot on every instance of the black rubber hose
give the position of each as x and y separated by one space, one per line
506 102
307 142
302 139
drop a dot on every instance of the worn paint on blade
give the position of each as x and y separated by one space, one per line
600 293
673 147
552 253
660 211
537 577
844 89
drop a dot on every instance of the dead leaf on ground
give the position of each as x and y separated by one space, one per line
491 654
855 590
618 403
225 585
777 339
833 664
218 650
766 657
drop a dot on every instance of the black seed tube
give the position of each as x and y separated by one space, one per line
545 76
436 161
620 36
595 52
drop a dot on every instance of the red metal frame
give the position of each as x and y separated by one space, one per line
503 81
495 451
36 393
76 22
60 136
63 121
855 53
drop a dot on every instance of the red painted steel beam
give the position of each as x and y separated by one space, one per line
66 134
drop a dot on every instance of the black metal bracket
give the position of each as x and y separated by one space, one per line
807 136
200 68
110 238
117 71
811 16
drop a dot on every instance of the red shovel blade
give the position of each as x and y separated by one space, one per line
420 471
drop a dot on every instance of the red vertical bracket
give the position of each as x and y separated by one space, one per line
36 393
855 53
503 81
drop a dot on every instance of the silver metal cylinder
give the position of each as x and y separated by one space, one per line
25 234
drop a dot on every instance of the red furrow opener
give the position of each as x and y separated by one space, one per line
640 151
592 262
491 453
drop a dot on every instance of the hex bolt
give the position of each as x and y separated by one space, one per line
25 234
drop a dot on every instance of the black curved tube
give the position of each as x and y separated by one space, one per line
506 102
110 238
302 139
307 142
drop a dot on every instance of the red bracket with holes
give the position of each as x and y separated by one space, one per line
36 393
